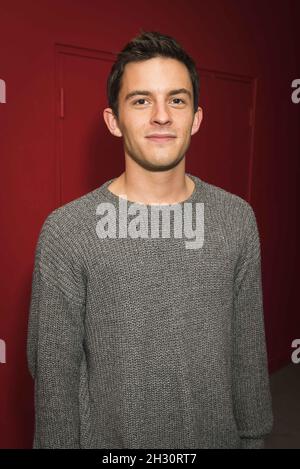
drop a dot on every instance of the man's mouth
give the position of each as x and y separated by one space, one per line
161 138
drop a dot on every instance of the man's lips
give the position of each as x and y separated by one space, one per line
161 138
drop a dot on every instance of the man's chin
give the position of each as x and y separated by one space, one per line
158 165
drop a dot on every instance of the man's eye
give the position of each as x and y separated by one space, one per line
141 99
179 100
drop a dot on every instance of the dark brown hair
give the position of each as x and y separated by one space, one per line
143 47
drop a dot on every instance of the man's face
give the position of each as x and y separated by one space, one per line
153 110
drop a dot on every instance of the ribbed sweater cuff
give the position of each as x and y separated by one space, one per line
252 443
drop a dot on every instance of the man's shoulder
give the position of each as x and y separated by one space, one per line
230 211
226 201
73 218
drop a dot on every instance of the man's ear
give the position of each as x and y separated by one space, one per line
198 116
111 122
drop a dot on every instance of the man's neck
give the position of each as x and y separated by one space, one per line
159 189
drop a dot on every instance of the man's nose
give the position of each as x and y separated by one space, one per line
161 113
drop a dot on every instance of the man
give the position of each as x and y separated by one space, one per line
135 339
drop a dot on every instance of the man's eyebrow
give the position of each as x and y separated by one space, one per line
148 93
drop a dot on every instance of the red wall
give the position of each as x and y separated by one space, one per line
248 37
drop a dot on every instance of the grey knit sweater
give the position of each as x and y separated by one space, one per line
137 342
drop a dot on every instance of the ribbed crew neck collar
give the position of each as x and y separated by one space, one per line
115 198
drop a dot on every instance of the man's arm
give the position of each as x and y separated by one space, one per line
251 390
55 340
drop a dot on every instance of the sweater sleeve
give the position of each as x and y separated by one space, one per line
251 389
55 339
